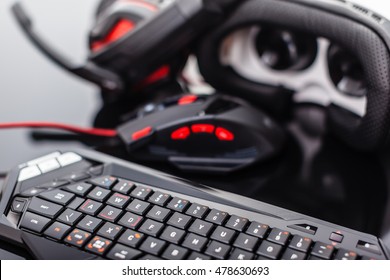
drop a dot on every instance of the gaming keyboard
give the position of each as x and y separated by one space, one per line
86 205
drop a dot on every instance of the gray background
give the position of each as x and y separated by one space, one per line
29 81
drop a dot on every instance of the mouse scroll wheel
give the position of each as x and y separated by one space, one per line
120 29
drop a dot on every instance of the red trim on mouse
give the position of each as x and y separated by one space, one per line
181 133
223 134
202 128
188 99
142 133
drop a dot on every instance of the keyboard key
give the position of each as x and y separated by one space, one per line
173 235
278 236
368 247
257 230
18 205
300 243
99 194
149 257
109 230
246 242
179 220
130 220
240 255
158 213
123 186
90 207
110 214
174 252
57 196
44 208
345 255
236 223
151 227
178 204
223 235
80 189
263 258
153 246
34 222
314 258
217 250
104 181
76 203
198 257
269 250
131 238
118 200
89 223
217 217
57 231
120 252
141 192
69 217
197 211
138 207
291 254
195 242
201 227
77 237
159 198
322 250
98 245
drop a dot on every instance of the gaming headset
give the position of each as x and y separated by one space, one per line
135 43
271 52
331 53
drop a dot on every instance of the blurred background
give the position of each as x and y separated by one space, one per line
29 81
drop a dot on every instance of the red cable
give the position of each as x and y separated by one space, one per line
75 129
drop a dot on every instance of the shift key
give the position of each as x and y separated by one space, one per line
44 208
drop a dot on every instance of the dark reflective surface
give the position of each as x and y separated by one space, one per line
316 174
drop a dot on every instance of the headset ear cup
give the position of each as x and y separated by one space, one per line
362 37
275 100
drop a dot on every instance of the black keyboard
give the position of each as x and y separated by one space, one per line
86 205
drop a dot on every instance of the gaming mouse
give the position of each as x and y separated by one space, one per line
203 133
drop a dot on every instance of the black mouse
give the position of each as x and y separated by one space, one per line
203 133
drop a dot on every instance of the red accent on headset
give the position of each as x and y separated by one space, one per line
181 133
188 99
202 128
141 133
121 28
223 134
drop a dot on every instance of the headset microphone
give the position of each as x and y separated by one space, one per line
107 80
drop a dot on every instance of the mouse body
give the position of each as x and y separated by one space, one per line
202 133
